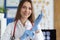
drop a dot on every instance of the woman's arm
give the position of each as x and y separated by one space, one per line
39 34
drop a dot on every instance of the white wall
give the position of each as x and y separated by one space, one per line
3 23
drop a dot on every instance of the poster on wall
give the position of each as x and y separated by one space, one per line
12 3
47 7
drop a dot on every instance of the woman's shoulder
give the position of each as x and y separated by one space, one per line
11 25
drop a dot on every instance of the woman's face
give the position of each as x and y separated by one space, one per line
26 10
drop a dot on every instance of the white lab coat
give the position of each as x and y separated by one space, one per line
20 30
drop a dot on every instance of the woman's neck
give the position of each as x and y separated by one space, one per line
23 20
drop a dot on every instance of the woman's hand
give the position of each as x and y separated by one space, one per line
26 34
37 31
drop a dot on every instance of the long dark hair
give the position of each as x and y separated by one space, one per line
18 15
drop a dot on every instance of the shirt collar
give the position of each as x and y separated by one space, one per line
28 24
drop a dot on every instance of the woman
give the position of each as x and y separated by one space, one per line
24 20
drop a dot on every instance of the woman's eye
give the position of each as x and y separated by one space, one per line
23 7
27 7
30 8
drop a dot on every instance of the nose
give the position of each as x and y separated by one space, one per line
27 10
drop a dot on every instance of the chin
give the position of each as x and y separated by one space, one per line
25 16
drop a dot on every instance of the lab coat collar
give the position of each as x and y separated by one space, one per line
27 26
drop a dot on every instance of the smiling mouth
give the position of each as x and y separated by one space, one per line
26 14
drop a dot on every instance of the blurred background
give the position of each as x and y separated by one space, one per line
50 22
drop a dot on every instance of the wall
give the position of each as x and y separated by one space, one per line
57 18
